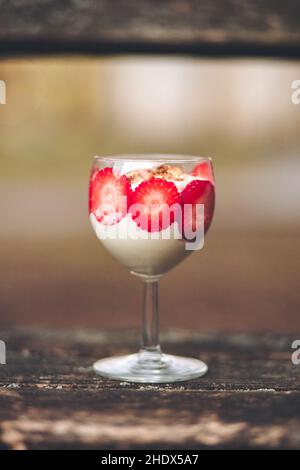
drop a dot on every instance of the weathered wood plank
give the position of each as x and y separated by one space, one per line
148 418
234 27
50 398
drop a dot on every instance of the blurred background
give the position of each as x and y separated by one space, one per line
62 111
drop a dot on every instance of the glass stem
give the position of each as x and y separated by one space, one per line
150 348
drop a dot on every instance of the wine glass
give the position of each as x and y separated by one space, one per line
150 212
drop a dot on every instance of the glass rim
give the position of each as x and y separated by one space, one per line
150 157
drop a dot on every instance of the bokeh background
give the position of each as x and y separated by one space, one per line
62 111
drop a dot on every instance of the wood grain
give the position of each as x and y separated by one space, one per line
50 398
217 27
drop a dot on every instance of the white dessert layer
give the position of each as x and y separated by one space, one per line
143 252
147 253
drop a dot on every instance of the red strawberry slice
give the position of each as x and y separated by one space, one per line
109 196
151 203
204 170
198 192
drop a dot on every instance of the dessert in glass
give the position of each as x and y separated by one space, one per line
150 212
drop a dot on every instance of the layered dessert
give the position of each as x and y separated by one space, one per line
138 211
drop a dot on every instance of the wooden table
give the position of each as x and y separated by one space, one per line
211 28
50 397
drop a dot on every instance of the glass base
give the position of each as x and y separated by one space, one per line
150 368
